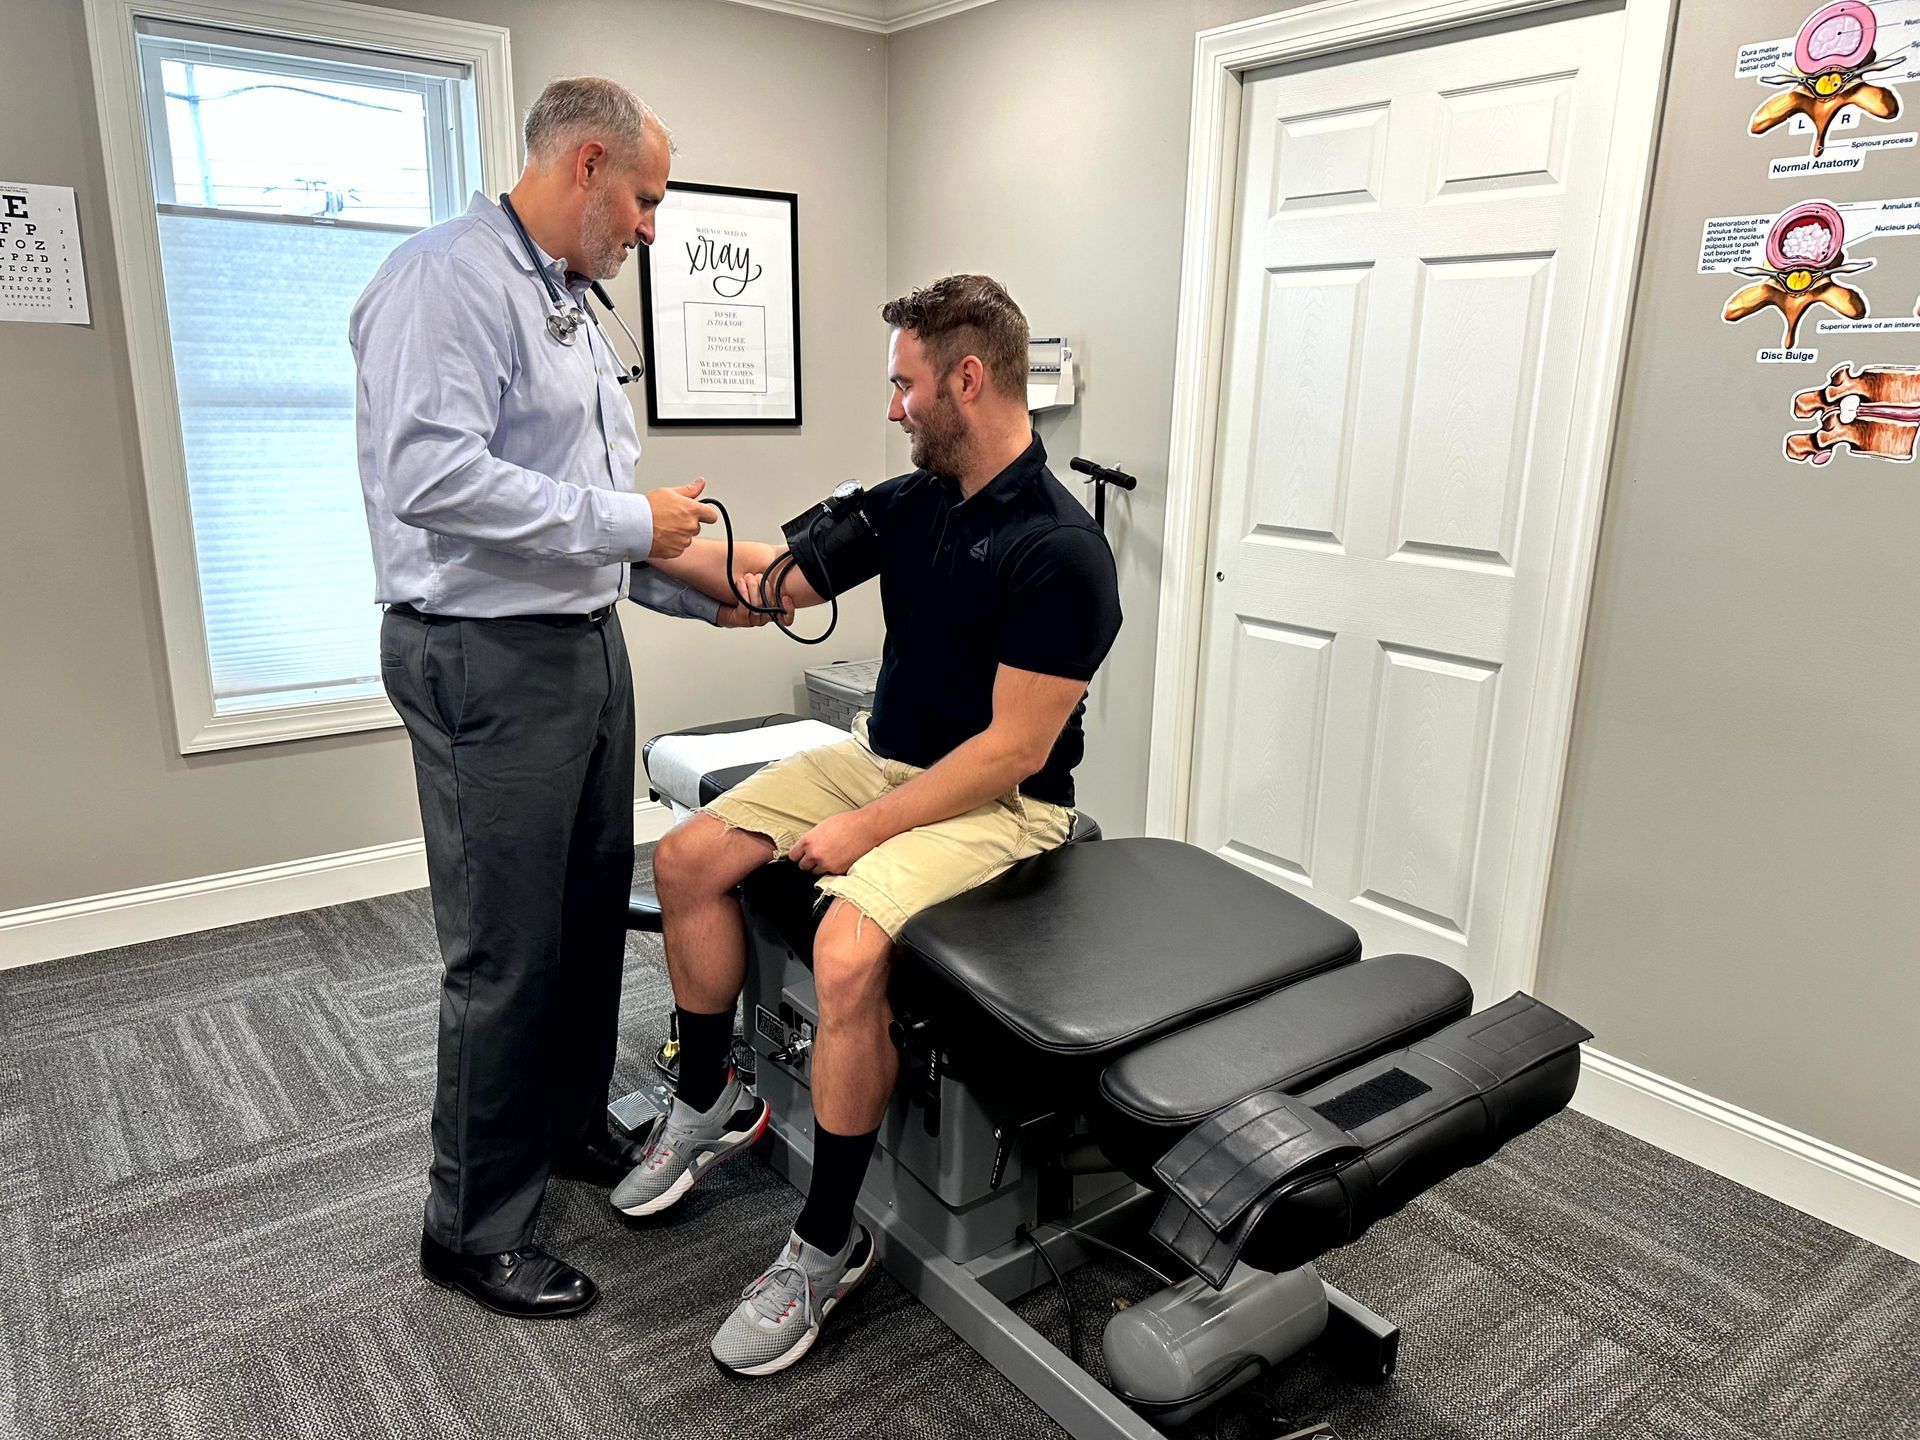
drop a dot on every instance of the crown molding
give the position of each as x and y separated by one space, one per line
878 17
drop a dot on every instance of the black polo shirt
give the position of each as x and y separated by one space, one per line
1016 575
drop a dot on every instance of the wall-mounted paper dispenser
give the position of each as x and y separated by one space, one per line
1049 373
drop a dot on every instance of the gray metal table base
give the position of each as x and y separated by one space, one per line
972 1301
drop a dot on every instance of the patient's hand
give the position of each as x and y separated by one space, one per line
738 617
750 586
832 846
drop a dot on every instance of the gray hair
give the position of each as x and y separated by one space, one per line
572 111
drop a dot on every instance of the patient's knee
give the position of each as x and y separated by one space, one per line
850 963
685 861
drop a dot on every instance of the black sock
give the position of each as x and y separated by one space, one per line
706 1044
839 1165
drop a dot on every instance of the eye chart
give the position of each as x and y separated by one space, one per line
41 273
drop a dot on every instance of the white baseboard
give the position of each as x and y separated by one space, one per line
1860 1196
153 912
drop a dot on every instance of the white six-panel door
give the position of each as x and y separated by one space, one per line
1413 244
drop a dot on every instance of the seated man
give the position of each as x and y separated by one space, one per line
1001 601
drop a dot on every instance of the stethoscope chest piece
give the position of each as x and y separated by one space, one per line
564 321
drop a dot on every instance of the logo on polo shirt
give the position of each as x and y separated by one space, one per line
979 550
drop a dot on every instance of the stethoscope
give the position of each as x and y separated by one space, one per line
564 323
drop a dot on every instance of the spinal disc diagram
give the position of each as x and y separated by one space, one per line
1843 67
1806 260
1872 411
1806 256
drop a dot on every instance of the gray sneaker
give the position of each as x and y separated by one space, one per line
780 1314
686 1143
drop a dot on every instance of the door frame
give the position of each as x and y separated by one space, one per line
1222 57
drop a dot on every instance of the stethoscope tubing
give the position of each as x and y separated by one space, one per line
564 322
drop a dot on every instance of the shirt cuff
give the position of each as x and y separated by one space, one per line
648 587
627 521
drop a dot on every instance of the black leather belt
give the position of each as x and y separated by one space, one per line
592 617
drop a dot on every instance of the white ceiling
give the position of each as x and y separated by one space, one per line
883 17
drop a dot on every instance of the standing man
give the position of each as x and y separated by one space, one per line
496 455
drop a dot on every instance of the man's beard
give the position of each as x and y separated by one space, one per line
938 441
604 249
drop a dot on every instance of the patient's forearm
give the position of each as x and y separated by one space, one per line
703 565
988 765
795 590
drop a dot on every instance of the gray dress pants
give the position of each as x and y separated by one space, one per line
523 747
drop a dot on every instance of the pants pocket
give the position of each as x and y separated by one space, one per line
443 673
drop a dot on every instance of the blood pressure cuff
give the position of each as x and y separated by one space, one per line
836 544
1278 1180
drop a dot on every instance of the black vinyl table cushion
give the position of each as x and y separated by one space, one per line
1288 1041
1090 949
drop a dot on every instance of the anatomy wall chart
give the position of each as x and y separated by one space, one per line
1817 273
1844 68
1808 255
1874 411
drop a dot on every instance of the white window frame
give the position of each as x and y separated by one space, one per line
486 51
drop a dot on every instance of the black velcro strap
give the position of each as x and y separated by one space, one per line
1370 1100
1409 1120
1212 1256
1226 1162
1499 1043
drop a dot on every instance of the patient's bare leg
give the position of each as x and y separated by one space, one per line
854 1066
854 1061
695 869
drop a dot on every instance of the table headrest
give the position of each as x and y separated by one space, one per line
677 764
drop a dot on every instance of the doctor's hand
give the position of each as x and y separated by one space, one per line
677 518
832 846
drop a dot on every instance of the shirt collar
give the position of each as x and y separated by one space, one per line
501 224
1008 483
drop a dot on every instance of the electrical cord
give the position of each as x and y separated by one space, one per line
773 582
1073 1338
1198 1397
1092 1239
1282 1425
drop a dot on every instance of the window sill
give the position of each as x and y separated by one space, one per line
289 722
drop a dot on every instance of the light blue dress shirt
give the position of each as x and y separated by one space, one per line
496 463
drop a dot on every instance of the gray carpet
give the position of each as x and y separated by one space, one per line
213 1153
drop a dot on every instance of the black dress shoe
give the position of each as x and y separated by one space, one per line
528 1283
599 1157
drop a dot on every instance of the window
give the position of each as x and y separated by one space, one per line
276 174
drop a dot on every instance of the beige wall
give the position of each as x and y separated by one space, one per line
1734 902
1736 898
1044 142
93 792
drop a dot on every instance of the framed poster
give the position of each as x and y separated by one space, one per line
720 296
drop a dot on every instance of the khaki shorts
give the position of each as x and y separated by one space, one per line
897 879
